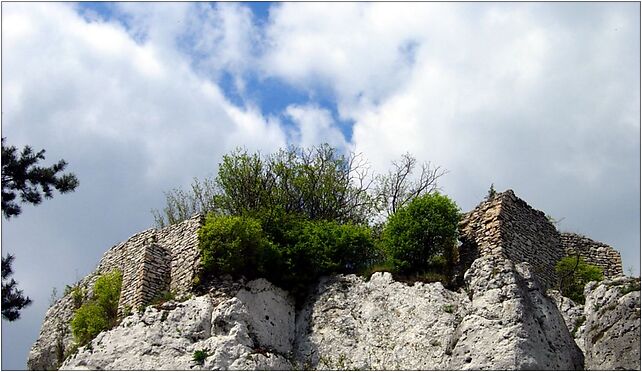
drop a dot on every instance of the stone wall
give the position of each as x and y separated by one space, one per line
182 241
152 262
507 225
594 252
155 261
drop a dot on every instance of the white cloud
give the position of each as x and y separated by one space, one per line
542 98
314 126
100 84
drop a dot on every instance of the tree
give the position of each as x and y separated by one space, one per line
421 236
397 188
21 176
318 183
491 192
574 273
12 298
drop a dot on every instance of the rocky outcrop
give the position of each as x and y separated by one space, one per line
351 323
611 334
502 317
512 324
252 329
607 326
502 321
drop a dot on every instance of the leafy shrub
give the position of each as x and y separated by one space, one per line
101 311
335 247
574 274
107 292
294 253
88 321
421 237
232 245
323 247
78 294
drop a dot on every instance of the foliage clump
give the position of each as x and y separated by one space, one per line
574 273
298 214
199 356
101 311
421 237
292 253
12 298
233 245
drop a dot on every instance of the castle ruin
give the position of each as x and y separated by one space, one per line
168 259
163 260
506 225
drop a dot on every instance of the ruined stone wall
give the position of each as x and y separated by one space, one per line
507 225
155 273
594 252
479 233
154 261
135 253
182 242
528 236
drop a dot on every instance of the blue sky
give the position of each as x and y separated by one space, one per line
271 94
139 98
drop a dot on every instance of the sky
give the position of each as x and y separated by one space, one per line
140 98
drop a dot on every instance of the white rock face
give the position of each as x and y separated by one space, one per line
235 333
379 324
611 334
510 323
501 320
505 322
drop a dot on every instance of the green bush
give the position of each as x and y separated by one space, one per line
323 247
334 247
88 321
107 292
574 274
292 254
421 237
233 245
101 311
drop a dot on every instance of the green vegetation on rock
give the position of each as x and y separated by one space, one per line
574 274
299 214
421 237
101 311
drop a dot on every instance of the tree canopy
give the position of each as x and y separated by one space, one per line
319 183
12 298
21 176
298 214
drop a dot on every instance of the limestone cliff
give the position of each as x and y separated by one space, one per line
502 320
